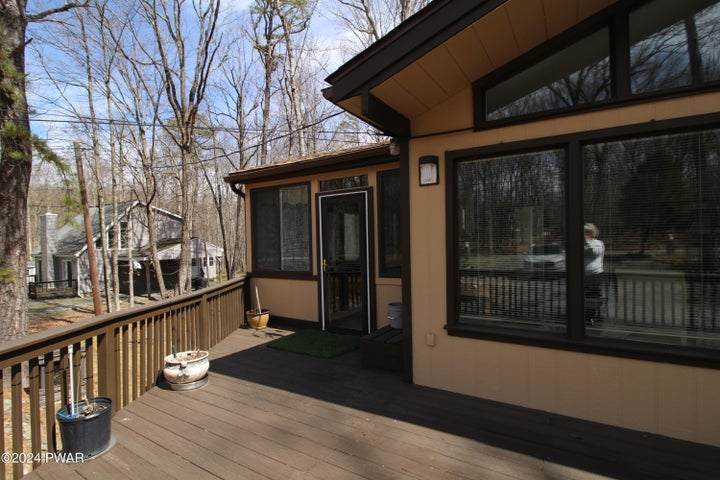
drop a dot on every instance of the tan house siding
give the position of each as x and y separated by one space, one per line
673 400
296 299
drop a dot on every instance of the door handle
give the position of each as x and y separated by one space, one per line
324 265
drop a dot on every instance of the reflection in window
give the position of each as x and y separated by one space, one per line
674 44
281 228
389 203
510 232
655 201
577 75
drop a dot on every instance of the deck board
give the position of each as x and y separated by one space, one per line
268 414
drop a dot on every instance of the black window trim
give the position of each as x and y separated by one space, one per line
616 18
574 340
307 274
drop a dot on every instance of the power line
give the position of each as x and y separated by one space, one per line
64 119
254 146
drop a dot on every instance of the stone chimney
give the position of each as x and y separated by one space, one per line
48 246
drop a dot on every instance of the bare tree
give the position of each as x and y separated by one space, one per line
184 86
141 100
294 17
369 20
267 35
234 104
87 62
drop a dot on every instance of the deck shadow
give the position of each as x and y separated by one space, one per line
591 447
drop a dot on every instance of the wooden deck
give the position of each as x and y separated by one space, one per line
267 414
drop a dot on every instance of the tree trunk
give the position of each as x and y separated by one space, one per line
96 158
15 170
297 118
89 237
152 239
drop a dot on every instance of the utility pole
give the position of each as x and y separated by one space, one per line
92 263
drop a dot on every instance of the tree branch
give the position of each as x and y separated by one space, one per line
39 17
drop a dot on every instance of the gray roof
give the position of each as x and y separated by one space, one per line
71 237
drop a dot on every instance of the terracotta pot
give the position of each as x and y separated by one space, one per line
257 319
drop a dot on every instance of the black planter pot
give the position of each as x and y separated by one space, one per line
88 435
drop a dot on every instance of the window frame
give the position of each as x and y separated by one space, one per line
575 339
616 19
282 273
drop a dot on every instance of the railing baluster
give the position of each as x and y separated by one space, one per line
76 356
64 380
126 365
34 396
16 391
135 368
2 424
49 366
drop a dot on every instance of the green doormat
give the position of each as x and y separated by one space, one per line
317 343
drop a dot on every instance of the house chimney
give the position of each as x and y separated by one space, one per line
48 246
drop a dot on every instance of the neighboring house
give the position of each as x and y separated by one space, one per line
62 258
518 121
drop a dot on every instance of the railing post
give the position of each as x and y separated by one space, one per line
204 323
107 381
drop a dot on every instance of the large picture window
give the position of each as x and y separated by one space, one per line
281 228
641 264
655 203
511 236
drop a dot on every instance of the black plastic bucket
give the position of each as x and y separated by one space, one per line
85 434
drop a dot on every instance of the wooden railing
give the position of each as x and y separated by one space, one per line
54 288
118 355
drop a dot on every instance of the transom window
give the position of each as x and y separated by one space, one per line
356 181
659 46
576 75
674 44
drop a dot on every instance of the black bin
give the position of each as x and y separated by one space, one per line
85 434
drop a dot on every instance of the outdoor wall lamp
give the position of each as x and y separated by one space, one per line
394 147
429 171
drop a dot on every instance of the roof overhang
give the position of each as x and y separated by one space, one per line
441 50
313 164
